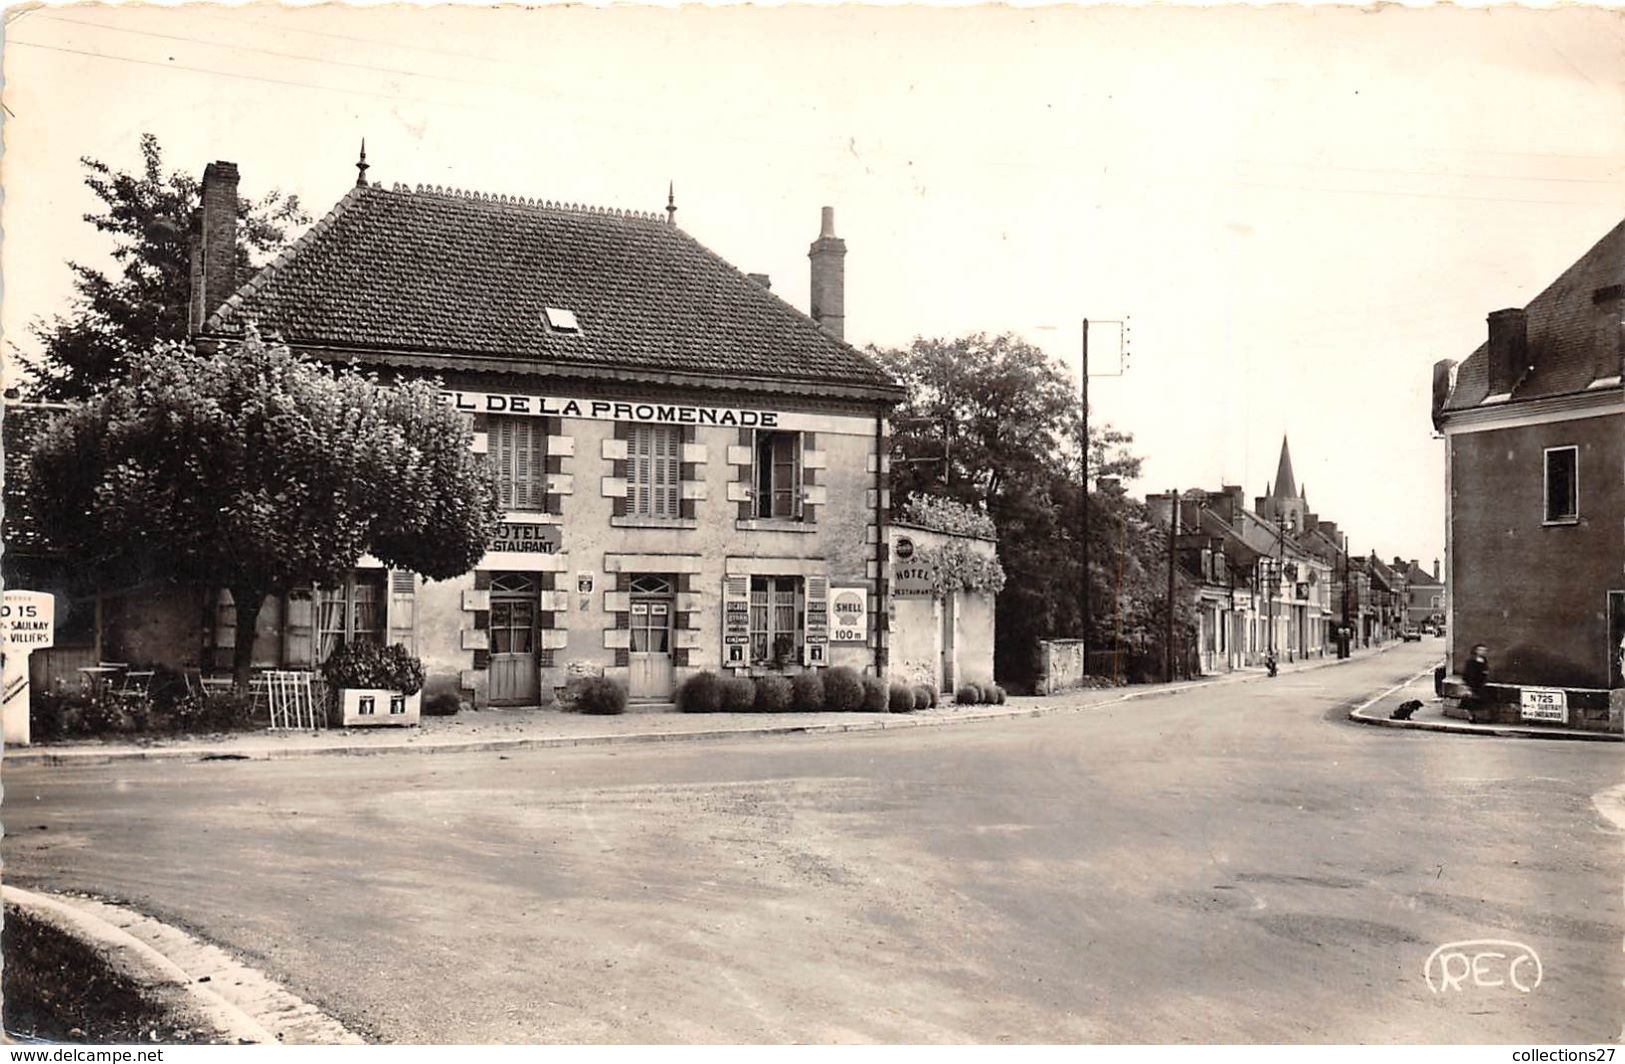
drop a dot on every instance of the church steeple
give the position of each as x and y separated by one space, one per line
1286 487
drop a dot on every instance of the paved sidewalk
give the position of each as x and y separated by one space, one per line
1431 717
503 729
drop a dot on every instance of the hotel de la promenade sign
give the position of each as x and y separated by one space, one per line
611 410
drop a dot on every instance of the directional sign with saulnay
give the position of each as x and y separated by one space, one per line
27 624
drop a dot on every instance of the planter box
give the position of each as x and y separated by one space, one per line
361 707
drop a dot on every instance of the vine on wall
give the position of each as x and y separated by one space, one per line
947 515
957 567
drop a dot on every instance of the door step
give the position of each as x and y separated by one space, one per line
643 706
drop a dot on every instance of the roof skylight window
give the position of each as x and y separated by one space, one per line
559 319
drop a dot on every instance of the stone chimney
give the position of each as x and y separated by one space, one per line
214 246
828 255
1436 579
1508 349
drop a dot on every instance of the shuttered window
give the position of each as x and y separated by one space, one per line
778 474
654 471
519 461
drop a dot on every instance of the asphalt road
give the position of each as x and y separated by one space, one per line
1233 864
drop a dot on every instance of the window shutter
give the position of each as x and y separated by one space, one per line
298 629
503 437
748 508
637 471
401 618
666 472
815 637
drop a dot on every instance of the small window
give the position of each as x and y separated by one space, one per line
561 320
350 612
778 474
775 620
1562 485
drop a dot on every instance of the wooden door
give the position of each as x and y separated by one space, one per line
651 674
514 673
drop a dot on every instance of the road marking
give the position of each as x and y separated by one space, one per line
1400 686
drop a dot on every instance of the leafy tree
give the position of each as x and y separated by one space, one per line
258 471
149 214
995 422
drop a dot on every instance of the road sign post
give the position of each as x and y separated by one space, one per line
27 624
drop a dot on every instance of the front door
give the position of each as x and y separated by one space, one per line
651 674
514 675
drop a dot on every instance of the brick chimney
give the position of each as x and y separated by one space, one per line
828 255
1436 579
214 245
1508 349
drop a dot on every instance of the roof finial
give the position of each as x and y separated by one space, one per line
361 166
671 203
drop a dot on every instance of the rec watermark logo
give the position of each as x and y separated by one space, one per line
1483 963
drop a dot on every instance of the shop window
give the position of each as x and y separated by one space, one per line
519 461
1562 485
778 474
654 469
351 611
775 620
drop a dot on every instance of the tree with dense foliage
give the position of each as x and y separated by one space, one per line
256 470
142 305
994 422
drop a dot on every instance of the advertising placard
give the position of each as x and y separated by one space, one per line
849 614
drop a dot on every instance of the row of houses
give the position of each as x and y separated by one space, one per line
694 472
1278 579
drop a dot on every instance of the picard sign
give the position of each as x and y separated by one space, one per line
609 410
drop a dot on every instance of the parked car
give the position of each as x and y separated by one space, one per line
1411 634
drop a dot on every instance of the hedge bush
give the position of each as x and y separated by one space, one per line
922 697
931 689
875 695
738 694
843 690
807 692
700 693
968 694
368 666
772 694
600 696
901 698
998 695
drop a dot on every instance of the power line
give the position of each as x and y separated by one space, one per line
261 51
364 40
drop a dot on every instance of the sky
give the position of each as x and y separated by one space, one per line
1297 211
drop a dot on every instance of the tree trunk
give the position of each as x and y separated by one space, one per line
248 602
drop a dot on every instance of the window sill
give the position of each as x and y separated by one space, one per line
1560 522
654 522
774 524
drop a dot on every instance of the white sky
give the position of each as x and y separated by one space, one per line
1300 210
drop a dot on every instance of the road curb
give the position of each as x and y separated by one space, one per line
143 965
249 1007
1360 715
478 746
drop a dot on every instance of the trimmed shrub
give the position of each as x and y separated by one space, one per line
931 689
738 694
901 699
807 692
369 666
999 695
922 697
48 716
442 704
700 693
772 694
223 711
601 696
843 690
967 695
875 696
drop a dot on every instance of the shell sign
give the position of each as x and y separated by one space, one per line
849 615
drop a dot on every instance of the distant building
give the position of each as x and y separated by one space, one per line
1533 423
1424 592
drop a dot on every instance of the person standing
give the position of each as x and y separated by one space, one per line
1476 675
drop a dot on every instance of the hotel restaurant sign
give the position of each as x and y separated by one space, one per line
609 410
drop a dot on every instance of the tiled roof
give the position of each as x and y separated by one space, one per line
21 426
461 274
1567 331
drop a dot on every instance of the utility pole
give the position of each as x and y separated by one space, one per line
1168 641
1343 643
1083 530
